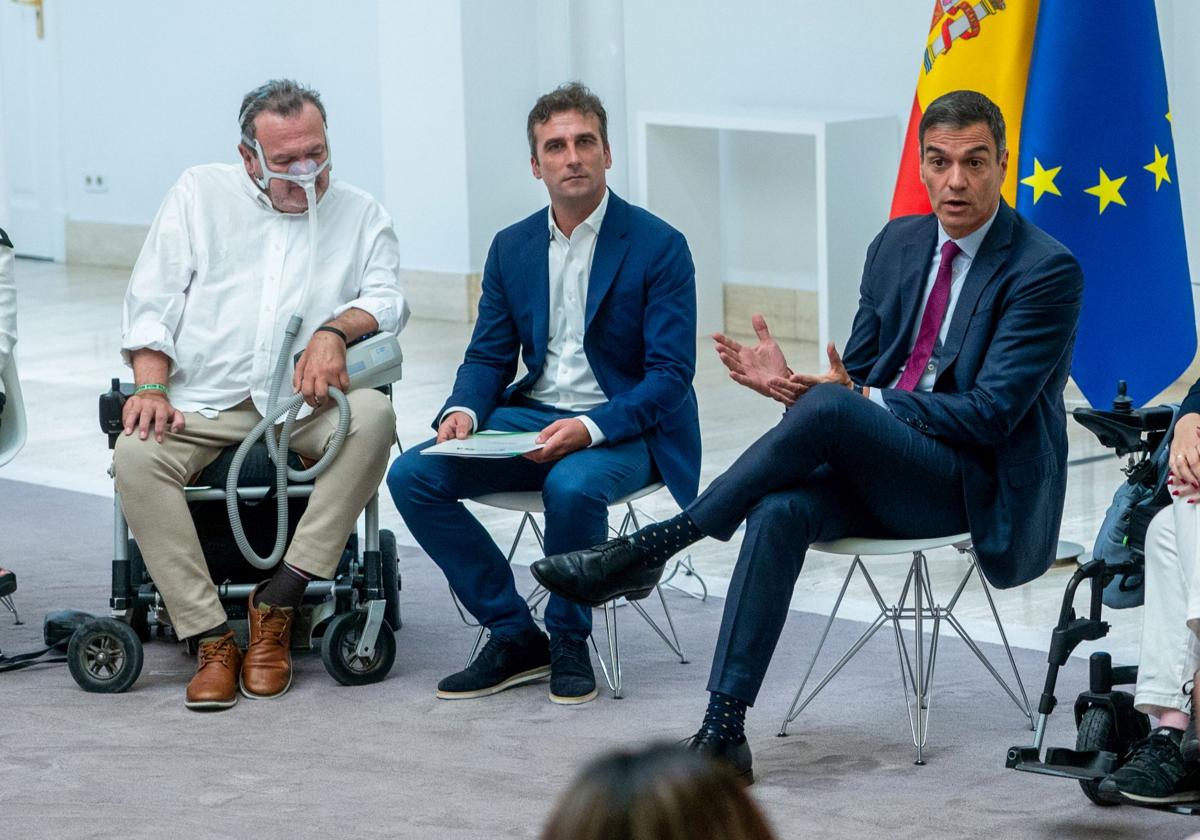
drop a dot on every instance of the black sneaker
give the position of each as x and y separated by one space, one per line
1154 772
504 662
572 680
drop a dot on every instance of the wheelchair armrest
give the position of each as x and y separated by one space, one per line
1125 431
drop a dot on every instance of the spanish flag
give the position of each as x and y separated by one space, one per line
1091 161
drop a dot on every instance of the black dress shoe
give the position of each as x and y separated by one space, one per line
572 680
504 662
596 575
734 756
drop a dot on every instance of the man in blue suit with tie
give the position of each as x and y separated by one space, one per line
946 416
597 299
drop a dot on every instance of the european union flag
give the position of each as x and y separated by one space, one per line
1097 172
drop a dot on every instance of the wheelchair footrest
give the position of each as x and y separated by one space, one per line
1068 764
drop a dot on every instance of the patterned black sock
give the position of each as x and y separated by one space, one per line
662 539
726 716
213 634
285 588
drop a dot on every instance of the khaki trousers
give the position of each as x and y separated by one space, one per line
150 477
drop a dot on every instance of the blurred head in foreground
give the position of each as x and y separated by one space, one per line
660 793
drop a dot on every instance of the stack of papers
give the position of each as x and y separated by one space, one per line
487 444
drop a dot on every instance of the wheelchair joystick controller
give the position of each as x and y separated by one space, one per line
1122 404
111 405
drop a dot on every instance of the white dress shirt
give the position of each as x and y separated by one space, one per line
222 271
969 247
8 308
567 381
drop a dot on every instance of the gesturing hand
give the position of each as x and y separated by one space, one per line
755 367
144 411
1185 457
791 388
562 437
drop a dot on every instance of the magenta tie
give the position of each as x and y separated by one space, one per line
931 321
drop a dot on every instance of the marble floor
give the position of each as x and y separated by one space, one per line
69 325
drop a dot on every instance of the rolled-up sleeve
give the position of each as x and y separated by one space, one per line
154 300
380 294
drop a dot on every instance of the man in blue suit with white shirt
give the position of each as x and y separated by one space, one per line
597 298
945 416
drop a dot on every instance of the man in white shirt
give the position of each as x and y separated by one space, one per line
597 298
220 274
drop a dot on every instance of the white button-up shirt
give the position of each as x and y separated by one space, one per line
567 381
222 272
969 247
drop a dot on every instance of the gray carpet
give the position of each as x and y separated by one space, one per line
391 760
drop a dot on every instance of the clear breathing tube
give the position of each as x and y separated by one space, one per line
303 173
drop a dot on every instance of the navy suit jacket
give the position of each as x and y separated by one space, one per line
997 398
639 334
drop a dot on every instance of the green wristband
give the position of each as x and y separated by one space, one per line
152 386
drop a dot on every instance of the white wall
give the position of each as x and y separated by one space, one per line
764 55
423 115
427 100
500 45
149 88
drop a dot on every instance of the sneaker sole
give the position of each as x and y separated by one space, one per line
1183 796
532 675
210 705
248 693
574 701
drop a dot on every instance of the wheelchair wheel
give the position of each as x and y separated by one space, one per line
105 656
391 578
139 614
339 650
1096 732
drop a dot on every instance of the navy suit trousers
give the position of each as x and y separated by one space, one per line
837 465
577 490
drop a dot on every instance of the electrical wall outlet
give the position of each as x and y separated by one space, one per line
95 183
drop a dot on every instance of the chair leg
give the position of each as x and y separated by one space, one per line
613 677
922 720
7 601
673 642
475 647
1023 702
797 706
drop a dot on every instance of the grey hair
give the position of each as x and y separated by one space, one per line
572 96
959 109
278 96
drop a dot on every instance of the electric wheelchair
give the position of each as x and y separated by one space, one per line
1107 724
352 618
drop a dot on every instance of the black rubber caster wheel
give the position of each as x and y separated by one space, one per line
391 578
105 656
1096 732
339 648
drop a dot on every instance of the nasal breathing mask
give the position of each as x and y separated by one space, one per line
302 172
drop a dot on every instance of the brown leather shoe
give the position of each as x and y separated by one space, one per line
267 668
216 682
